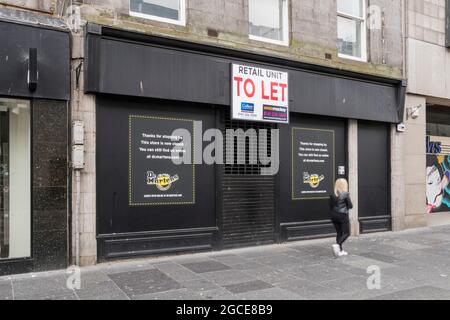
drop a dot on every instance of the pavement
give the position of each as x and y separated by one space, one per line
412 265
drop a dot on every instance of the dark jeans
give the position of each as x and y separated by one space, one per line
342 225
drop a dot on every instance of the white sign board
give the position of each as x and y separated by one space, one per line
259 94
438 145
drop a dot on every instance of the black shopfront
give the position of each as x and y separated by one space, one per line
146 86
34 95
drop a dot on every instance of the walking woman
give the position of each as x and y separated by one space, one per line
341 204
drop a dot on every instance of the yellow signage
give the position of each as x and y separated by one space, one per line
313 180
162 181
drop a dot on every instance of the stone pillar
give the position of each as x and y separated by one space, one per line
414 164
397 179
83 108
353 174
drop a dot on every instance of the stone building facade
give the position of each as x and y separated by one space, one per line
225 24
310 53
427 103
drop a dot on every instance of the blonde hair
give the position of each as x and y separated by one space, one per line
340 187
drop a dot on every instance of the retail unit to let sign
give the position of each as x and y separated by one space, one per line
260 94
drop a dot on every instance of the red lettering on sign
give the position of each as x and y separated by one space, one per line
273 91
238 82
264 96
283 87
251 93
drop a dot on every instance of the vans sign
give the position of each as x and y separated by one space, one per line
260 94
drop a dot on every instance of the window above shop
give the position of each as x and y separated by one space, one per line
269 21
351 29
170 11
438 121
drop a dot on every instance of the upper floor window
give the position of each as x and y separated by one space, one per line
268 21
352 29
171 11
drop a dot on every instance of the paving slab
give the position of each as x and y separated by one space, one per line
176 271
218 294
230 259
179 294
206 266
42 288
227 277
270 294
309 290
200 285
255 285
105 290
420 293
272 275
143 282
6 290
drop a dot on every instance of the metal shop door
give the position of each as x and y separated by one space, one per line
247 197
313 154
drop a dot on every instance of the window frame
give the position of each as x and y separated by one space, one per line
179 22
285 25
363 21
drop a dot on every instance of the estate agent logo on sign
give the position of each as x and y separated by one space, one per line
260 94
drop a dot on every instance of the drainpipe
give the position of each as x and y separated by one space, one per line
77 217
405 31
78 165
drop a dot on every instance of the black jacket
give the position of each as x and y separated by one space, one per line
341 204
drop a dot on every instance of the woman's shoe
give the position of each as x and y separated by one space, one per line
336 249
343 253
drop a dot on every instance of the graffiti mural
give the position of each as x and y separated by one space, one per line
438 188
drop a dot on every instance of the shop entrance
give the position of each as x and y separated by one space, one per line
146 204
313 155
374 177
248 197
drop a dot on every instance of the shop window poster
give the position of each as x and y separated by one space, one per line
313 163
154 178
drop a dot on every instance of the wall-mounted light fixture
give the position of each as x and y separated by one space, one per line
33 72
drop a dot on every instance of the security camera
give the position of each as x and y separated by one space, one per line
414 112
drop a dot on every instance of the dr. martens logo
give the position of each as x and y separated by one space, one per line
313 180
162 181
